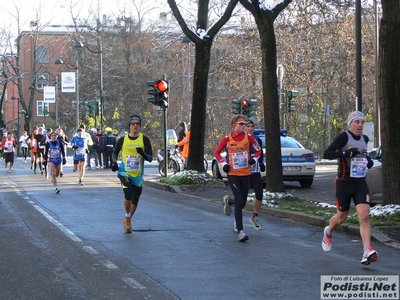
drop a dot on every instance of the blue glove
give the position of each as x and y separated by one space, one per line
226 168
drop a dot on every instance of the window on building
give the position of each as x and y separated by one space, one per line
42 109
42 54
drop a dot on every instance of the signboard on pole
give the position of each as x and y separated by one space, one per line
68 82
49 94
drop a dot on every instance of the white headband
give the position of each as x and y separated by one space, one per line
353 119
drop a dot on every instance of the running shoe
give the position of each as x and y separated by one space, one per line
369 256
80 182
127 225
61 174
242 237
227 207
57 190
10 170
255 222
234 226
326 240
34 171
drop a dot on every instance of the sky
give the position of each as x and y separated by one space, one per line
58 12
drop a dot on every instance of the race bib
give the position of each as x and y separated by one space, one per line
54 153
358 167
133 162
240 160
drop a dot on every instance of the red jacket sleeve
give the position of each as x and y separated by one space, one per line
222 145
257 149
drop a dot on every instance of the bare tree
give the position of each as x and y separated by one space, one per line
264 19
203 40
389 81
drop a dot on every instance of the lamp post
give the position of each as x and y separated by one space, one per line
100 52
77 45
13 98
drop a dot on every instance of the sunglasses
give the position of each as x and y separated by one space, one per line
135 123
241 123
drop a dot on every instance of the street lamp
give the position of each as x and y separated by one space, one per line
19 113
100 52
77 45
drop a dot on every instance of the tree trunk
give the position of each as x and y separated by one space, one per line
274 177
198 117
389 98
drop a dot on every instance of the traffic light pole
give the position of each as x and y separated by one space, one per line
165 142
165 134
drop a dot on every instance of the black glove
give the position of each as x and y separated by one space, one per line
351 152
252 161
64 161
114 166
140 151
226 168
74 147
262 167
370 162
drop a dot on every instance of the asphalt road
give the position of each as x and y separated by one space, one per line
71 246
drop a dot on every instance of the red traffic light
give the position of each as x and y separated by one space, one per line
245 103
161 85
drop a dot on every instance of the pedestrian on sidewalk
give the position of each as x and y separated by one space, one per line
237 165
55 156
350 148
135 148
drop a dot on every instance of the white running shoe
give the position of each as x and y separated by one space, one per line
326 240
242 237
369 256
255 222
227 207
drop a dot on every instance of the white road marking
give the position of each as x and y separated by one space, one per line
64 229
108 264
90 250
133 283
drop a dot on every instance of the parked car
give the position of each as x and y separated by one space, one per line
298 163
374 177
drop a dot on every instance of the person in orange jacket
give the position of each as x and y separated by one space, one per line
185 143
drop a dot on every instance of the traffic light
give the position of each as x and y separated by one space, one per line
235 106
90 108
158 93
290 101
252 107
161 93
97 108
151 92
245 107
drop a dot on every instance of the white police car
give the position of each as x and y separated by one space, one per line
298 163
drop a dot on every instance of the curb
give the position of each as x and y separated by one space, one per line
376 235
